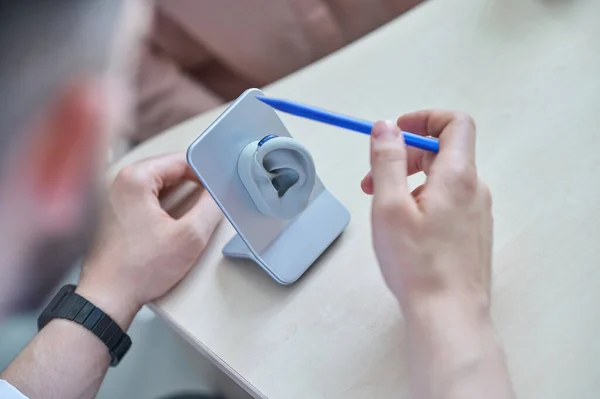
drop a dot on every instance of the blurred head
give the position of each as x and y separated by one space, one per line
64 74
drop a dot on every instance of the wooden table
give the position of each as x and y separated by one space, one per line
529 72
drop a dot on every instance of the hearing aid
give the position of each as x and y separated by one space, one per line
278 174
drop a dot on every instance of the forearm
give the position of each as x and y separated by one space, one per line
65 360
454 352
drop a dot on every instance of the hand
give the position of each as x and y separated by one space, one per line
434 248
142 251
434 244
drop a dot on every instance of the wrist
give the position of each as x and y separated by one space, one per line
453 327
470 311
453 348
117 305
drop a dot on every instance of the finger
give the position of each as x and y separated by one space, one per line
156 173
414 156
455 130
203 218
416 193
415 160
413 165
173 189
178 200
366 184
388 164
453 168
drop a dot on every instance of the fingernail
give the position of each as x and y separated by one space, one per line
385 130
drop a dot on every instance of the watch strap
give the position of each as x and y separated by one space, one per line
71 306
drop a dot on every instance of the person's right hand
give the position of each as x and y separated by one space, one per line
434 244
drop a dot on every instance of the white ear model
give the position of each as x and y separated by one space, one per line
279 174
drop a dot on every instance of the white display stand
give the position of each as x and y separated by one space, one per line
285 249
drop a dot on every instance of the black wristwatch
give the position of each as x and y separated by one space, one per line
71 306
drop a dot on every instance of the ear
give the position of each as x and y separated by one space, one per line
64 160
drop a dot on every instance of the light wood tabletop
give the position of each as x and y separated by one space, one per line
529 73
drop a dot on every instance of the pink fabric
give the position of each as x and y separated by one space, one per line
203 53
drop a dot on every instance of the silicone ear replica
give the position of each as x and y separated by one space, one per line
279 174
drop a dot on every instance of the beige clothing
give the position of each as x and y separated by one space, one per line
203 53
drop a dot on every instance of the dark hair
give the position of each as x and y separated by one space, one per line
42 44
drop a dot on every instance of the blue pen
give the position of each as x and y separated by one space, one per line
343 121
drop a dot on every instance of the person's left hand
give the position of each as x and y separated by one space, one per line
142 251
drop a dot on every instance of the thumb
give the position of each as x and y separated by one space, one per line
388 164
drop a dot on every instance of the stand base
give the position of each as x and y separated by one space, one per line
300 244
236 248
